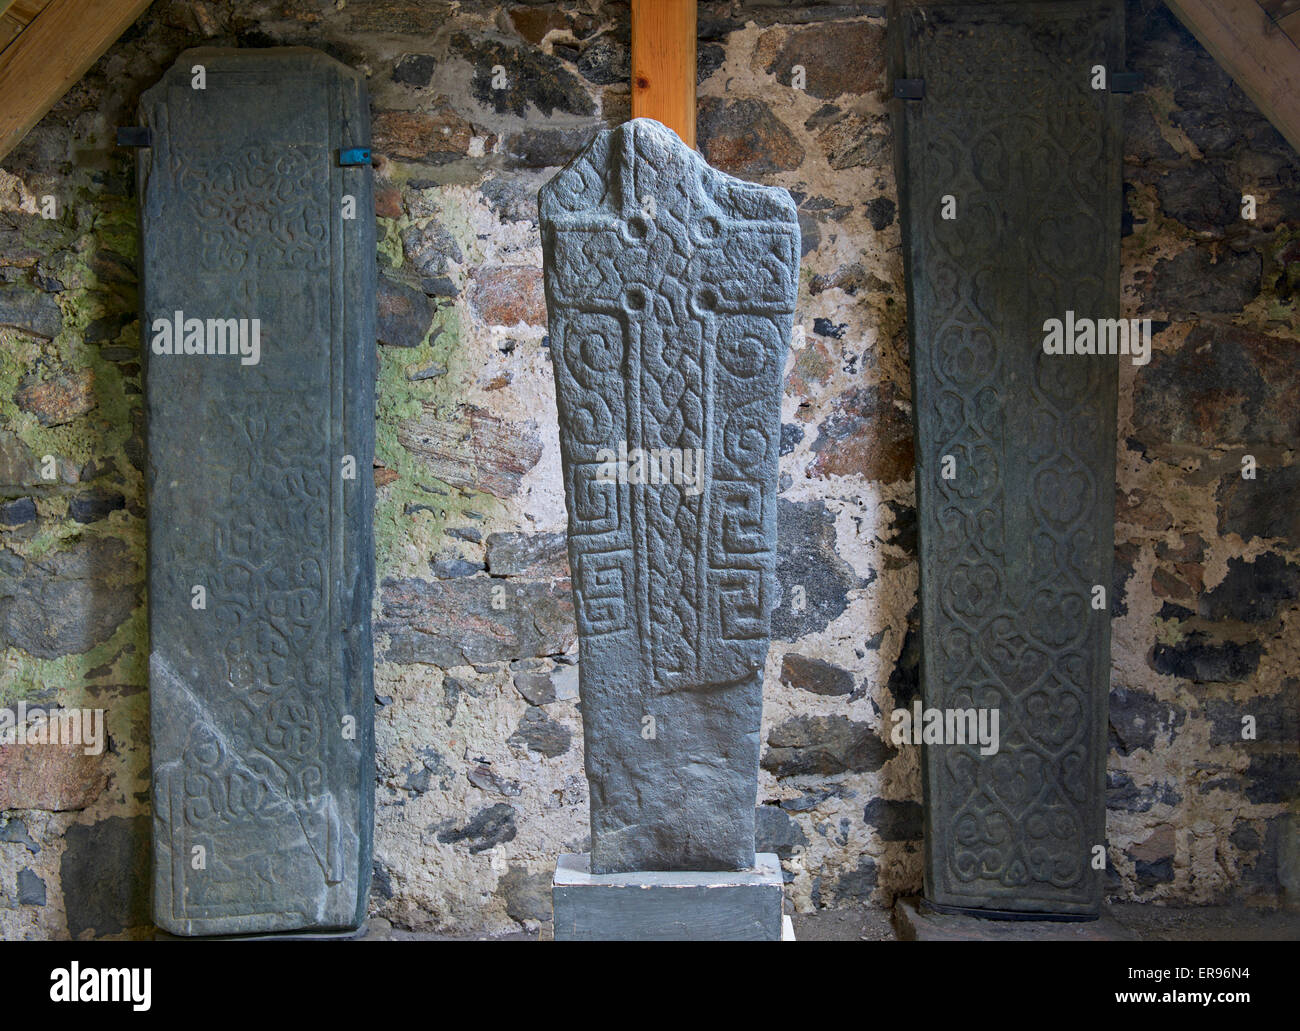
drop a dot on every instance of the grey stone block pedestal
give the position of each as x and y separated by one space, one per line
678 905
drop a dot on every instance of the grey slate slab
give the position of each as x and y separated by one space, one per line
261 701
1012 545
670 289
742 905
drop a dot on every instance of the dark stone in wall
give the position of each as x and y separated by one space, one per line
1252 592
1196 658
542 734
774 831
1277 717
17 512
1124 795
1273 778
105 874
486 829
404 314
1199 282
415 69
605 60
1151 873
31 889
806 558
95 504
533 79
93 586
858 884
824 745
35 313
1224 385
815 676
1200 197
881 210
536 688
547 147
1263 507
905 680
1136 717
894 819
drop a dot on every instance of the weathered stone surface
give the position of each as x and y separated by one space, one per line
1263 507
894 819
1252 592
35 313
485 829
857 66
105 875
814 675
541 734
535 82
1012 545
471 448
744 138
1200 281
53 777
508 295
868 435
1223 386
808 564
776 832
67 601
58 396
824 745
671 291
261 701
95 504
404 314
31 889
426 136
536 555
456 623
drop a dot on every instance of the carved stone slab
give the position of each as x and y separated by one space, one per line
260 493
1017 529
671 291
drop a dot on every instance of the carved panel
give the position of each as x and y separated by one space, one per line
1012 129
671 291
260 679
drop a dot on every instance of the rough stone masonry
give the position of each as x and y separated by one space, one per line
478 734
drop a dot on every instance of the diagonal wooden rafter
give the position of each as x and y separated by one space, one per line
1257 42
55 43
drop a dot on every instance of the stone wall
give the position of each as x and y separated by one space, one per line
480 778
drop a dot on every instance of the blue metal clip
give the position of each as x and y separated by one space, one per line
354 156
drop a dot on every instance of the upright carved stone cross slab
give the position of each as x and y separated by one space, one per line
671 290
1010 176
260 494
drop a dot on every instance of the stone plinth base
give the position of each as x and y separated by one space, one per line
742 905
915 921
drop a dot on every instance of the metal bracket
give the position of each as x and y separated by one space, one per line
1125 82
354 156
909 89
134 136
